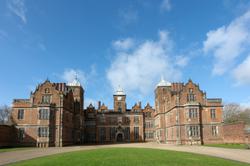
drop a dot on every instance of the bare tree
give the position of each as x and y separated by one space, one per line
233 112
5 113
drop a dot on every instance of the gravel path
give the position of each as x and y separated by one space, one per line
232 154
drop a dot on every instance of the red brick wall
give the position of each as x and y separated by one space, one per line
7 135
234 133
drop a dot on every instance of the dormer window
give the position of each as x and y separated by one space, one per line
46 99
47 90
191 95
190 90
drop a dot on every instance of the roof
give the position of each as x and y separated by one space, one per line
163 83
119 91
75 82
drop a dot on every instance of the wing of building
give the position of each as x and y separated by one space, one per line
54 116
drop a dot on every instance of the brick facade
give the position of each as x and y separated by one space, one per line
54 116
8 136
184 115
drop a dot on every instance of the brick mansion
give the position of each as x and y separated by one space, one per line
54 115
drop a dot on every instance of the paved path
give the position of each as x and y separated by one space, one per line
232 154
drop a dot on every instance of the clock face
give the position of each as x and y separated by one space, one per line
119 98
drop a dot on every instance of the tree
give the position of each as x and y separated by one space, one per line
5 113
233 112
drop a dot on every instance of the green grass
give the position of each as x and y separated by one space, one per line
13 149
129 157
231 146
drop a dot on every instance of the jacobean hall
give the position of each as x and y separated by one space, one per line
54 115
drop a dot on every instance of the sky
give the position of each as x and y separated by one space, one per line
128 43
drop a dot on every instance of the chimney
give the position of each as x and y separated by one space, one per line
99 105
139 103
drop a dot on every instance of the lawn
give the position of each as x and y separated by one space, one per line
129 157
231 146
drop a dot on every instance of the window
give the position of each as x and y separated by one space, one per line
47 90
119 107
46 99
102 134
212 113
193 131
43 132
20 114
190 97
127 121
215 130
136 133
149 135
112 133
43 114
21 134
136 119
148 114
193 113
127 133
148 125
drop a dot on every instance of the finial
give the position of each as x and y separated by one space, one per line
162 78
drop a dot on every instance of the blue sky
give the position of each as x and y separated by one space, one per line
128 43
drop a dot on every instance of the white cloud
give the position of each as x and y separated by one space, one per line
123 44
70 74
181 61
165 6
242 72
17 7
228 42
139 69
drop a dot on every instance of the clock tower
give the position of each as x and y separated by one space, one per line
119 100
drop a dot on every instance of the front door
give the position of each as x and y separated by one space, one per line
119 137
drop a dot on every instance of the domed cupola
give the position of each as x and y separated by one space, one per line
119 91
75 82
163 83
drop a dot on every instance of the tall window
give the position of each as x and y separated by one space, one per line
44 114
193 113
136 119
190 95
21 134
212 113
119 107
193 131
20 114
46 99
215 130
136 133
127 133
112 133
43 132
102 132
